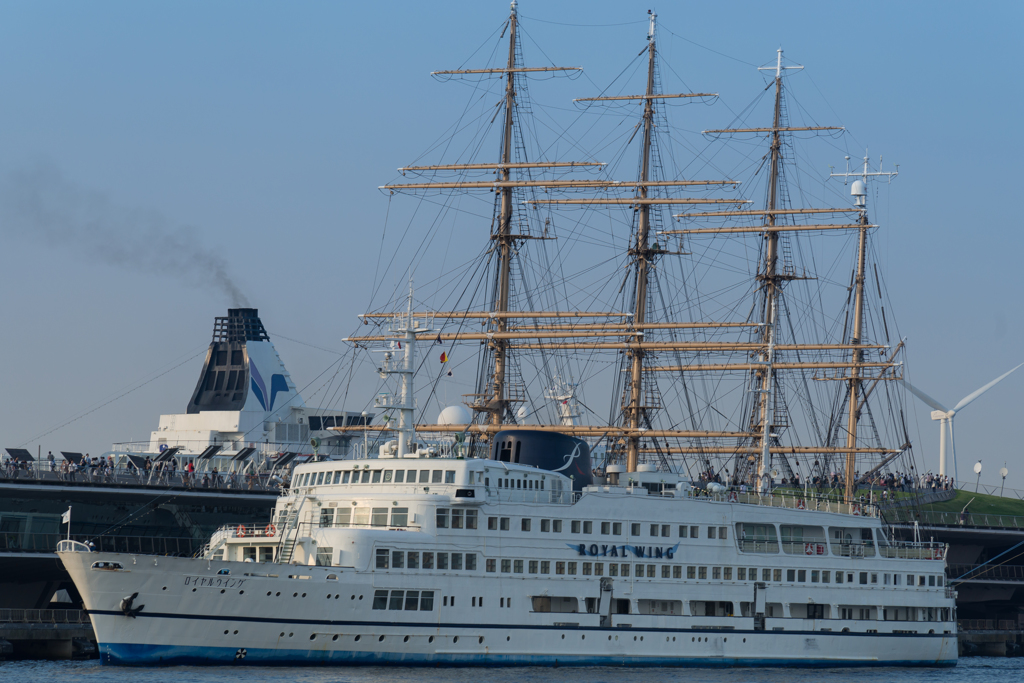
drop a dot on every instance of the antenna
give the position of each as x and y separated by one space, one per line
778 68
859 189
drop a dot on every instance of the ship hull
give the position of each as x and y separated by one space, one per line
193 615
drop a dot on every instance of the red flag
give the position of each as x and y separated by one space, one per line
444 357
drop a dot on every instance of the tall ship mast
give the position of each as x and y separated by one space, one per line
714 516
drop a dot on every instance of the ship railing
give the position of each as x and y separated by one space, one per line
546 497
43 616
952 519
69 546
29 542
799 501
908 550
122 475
987 625
755 546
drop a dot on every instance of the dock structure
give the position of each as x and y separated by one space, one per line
46 634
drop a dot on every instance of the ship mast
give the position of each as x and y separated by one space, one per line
643 256
859 190
770 278
498 400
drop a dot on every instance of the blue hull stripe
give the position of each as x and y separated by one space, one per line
127 654
529 627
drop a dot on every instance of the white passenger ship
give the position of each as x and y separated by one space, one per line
452 561
525 556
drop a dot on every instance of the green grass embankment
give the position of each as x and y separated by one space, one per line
982 504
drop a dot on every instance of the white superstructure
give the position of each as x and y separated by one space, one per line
434 560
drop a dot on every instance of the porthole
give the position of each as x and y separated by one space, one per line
335 637
430 639
744 640
563 635
508 638
222 590
634 637
406 639
295 595
641 638
673 639
328 596
692 639
277 594
480 640
290 635
312 636
164 588
609 637
725 640
336 597
303 595
353 597
455 639
360 597
241 592
225 631
193 590
583 637
282 634
381 639
236 632
269 593
356 639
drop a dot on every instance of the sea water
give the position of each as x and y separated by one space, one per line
969 670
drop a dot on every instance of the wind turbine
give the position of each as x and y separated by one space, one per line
945 416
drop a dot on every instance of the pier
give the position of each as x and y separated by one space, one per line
46 634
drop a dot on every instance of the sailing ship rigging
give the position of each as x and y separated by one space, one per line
675 363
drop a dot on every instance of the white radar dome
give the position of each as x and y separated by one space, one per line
647 467
455 415
857 188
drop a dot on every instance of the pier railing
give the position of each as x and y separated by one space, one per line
952 519
43 616
122 476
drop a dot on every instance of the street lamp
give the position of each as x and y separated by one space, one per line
977 470
1003 472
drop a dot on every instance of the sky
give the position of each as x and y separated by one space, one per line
160 162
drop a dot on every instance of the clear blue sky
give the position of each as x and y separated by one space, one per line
263 130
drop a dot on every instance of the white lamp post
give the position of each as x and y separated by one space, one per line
1003 472
977 470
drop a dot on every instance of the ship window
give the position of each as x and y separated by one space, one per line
864 578
428 560
702 572
651 568
606 528
931 580
712 531
399 516
545 525
380 600
249 554
716 573
329 422
504 523
337 476
839 577
506 566
412 599
938 580
666 530
457 561
379 517
387 476
691 572
874 577
556 526
826 576
412 560
801 576
588 527
343 517
376 477
545 567
397 598
267 553
776 574
457 518
449 476
324 556
442 518
526 523
574 526
366 477
666 571
654 530
559 567
815 575
517 566
586 568
533 566
613 569
435 477
471 519
570 568
399 476
491 565
624 570
471 562
723 532
327 517
638 571
314 420
320 478
616 528
741 573
519 483
383 557
694 532
492 523
344 476
791 575
598 568
442 560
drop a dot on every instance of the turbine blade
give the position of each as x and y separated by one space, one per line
966 400
935 405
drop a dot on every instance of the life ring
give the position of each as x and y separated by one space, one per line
733 498
240 531
270 530
808 548
800 505
856 509
821 549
